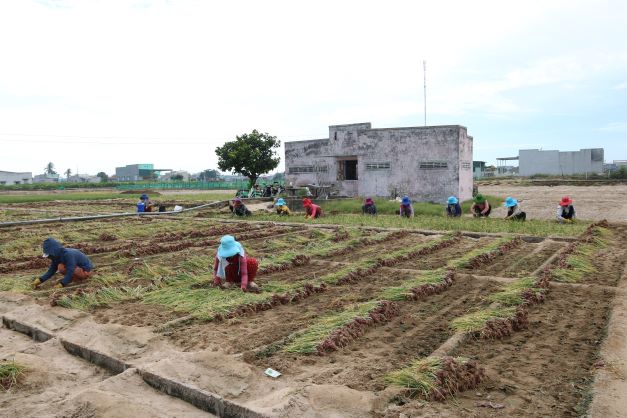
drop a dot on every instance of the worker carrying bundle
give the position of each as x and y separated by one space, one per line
232 267
312 211
72 263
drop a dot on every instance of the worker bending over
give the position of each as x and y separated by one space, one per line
312 211
406 208
232 267
238 208
565 210
369 208
480 207
72 263
281 207
514 212
453 209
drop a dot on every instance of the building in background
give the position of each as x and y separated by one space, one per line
179 175
428 163
46 178
478 169
533 161
9 178
138 172
83 178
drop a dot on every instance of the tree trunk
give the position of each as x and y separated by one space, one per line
251 182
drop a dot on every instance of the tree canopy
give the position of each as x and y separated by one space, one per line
49 169
250 155
103 176
209 174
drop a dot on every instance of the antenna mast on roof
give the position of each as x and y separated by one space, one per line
424 75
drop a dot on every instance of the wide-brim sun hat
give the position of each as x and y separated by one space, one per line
307 202
452 200
144 196
237 200
479 198
509 202
228 246
566 201
369 201
405 200
280 202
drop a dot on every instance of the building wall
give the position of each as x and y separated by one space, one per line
423 162
560 163
10 178
45 178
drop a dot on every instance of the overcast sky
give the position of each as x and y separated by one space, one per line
91 85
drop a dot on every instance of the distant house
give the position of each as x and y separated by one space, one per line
46 178
10 178
83 178
184 176
428 163
553 162
138 172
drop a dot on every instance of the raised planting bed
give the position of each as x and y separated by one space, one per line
437 378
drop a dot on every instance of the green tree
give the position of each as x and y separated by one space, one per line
209 174
68 173
250 155
49 169
177 177
103 177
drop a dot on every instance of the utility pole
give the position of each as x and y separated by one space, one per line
424 75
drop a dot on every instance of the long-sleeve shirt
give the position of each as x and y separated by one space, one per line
454 210
565 212
514 211
236 270
407 210
69 257
313 211
369 209
482 208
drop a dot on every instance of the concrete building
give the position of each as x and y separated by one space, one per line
46 178
83 178
533 161
137 172
9 178
427 163
185 176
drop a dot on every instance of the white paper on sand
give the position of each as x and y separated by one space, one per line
272 373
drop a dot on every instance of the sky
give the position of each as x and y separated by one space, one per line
91 85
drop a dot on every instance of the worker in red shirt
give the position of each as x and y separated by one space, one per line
312 210
232 267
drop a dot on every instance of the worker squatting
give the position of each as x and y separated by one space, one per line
231 265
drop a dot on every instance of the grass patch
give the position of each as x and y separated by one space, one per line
579 264
474 322
464 261
533 227
511 294
104 296
307 341
10 373
403 291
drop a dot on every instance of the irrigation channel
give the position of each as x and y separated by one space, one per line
504 322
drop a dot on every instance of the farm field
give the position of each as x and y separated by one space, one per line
359 321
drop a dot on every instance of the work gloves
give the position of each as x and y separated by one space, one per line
35 284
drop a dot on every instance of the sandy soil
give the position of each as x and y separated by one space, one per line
540 202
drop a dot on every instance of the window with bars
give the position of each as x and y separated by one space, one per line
377 166
433 165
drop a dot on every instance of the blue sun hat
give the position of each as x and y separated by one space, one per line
510 202
406 200
452 200
280 202
144 196
229 247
